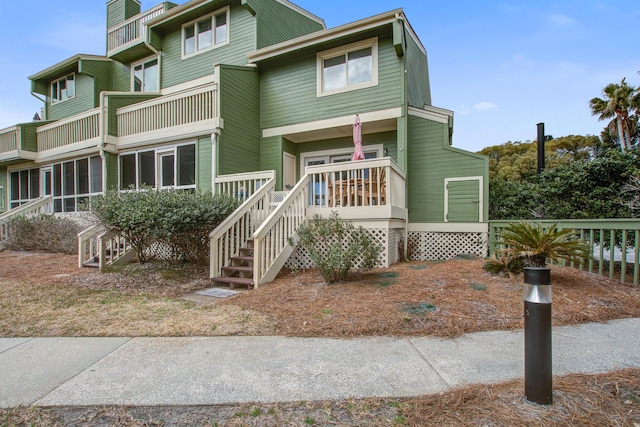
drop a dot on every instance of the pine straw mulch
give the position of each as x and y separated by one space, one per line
430 298
611 399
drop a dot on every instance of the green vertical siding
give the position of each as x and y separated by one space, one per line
239 148
203 164
111 171
29 141
430 161
120 10
290 89
175 70
418 90
277 23
463 201
84 100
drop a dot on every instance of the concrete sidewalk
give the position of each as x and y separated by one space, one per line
223 370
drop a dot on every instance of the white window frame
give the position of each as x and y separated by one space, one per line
142 63
2 197
55 100
337 152
345 50
76 196
214 44
158 152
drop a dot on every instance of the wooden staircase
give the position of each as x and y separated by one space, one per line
240 271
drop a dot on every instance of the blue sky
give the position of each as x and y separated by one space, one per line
501 66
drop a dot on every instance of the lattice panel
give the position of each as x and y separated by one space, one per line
159 250
300 259
424 245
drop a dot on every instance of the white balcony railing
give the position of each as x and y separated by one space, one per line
8 139
81 127
181 108
132 29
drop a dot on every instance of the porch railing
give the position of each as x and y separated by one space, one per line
243 185
81 127
181 108
364 183
271 240
615 243
8 139
41 205
237 229
131 29
95 244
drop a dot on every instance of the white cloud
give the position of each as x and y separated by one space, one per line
485 106
562 21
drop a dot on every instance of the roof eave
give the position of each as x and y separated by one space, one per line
54 70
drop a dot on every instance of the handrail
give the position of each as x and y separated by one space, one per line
8 139
243 185
180 108
271 239
237 229
131 29
88 244
80 127
41 205
600 234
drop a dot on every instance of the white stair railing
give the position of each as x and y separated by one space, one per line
271 240
41 205
95 244
88 244
235 231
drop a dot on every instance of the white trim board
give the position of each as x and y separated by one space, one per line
392 113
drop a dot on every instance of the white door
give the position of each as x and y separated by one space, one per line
288 171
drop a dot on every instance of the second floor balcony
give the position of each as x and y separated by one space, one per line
126 41
124 119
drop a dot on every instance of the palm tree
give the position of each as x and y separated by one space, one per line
620 101
534 244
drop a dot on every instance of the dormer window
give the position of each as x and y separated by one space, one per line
63 89
348 68
205 33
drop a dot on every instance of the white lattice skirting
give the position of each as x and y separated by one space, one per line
428 245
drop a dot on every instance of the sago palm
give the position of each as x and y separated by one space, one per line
535 244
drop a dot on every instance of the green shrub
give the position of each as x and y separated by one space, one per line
336 247
180 219
45 233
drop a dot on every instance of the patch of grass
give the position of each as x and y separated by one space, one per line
388 278
309 421
419 267
478 286
417 308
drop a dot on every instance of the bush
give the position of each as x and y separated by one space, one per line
336 246
45 233
180 219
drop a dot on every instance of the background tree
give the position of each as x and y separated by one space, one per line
619 104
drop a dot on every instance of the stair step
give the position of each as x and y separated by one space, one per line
242 258
233 281
238 268
91 264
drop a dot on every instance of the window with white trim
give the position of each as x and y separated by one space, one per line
145 76
205 33
162 168
24 185
74 182
63 89
348 67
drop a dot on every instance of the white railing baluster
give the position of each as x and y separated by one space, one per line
132 29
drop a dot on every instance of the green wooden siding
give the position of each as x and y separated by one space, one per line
203 164
175 70
430 161
419 89
271 158
463 200
83 101
119 101
120 10
239 144
289 90
121 77
111 171
101 73
277 23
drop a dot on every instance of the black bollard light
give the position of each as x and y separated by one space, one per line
537 336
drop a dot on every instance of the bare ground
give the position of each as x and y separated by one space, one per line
416 298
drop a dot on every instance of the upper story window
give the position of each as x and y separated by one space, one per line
205 33
63 89
348 67
145 76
